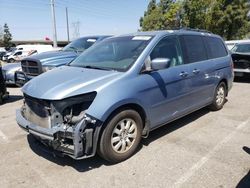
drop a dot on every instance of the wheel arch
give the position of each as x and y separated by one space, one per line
133 106
224 80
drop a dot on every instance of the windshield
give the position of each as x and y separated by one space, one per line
241 48
80 45
118 53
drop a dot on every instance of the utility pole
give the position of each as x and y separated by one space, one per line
52 3
67 19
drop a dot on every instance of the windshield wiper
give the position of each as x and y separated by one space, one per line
94 67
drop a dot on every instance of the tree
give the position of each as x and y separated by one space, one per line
1 36
162 15
227 18
232 21
196 14
7 37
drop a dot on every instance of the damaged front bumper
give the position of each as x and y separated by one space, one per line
78 142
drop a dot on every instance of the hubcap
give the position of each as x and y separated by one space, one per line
124 135
220 96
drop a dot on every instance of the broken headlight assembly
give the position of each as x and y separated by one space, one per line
73 109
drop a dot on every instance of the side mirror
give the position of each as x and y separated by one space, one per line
160 63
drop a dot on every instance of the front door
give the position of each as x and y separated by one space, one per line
168 89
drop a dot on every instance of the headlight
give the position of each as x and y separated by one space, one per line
73 108
47 68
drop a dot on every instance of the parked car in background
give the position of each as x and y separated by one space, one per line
2 53
124 87
37 64
3 91
9 70
231 43
17 56
241 58
23 51
9 52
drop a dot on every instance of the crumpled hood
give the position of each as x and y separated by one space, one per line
68 81
53 57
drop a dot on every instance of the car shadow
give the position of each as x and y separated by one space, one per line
245 79
177 124
96 161
11 86
12 98
244 182
79 165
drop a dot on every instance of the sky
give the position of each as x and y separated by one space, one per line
32 19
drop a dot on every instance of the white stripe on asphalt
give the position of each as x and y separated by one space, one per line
204 159
4 137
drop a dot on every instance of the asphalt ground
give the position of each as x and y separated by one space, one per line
203 149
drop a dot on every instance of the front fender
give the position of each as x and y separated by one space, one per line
102 109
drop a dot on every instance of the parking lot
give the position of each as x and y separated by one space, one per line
203 149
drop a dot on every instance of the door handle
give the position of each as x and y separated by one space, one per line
196 71
183 74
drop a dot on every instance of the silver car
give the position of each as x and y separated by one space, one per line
9 72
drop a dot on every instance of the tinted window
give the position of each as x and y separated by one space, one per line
194 48
168 48
18 53
241 48
216 47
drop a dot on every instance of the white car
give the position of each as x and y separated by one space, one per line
17 56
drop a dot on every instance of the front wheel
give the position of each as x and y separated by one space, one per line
121 136
12 60
219 97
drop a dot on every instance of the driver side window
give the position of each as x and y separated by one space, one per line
169 48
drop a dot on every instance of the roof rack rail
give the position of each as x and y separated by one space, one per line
192 29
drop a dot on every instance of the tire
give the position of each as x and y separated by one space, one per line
12 60
121 136
219 97
1 98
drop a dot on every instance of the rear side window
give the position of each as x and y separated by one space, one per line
18 53
194 48
215 47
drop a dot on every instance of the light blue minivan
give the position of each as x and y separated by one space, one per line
122 88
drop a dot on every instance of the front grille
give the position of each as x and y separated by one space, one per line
31 68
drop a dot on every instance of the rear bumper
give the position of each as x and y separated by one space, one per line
242 70
78 142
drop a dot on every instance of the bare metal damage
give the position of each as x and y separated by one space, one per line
78 140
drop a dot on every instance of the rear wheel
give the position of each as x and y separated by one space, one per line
219 97
121 136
